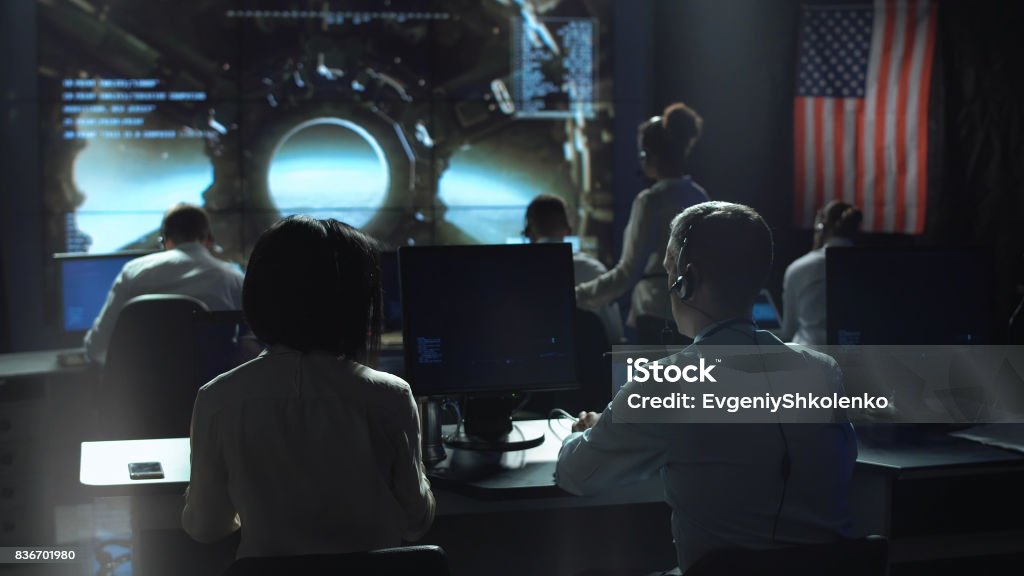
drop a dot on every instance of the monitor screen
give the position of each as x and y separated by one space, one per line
392 300
904 295
765 314
483 319
84 284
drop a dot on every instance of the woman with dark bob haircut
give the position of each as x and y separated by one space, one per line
308 448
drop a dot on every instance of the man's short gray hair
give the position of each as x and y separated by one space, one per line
730 244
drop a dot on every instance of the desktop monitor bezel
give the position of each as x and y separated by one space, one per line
475 390
979 254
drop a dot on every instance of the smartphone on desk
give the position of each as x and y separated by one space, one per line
145 470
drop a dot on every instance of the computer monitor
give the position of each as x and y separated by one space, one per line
908 295
85 280
488 320
765 313
392 301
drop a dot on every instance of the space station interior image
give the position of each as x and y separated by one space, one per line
420 122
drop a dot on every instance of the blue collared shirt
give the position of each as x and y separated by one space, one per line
724 481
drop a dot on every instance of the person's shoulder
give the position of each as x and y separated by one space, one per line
805 261
696 188
814 356
382 386
587 267
139 265
223 267
232 383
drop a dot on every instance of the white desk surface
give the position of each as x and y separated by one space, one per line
105 463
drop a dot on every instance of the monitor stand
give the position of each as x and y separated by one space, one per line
487 426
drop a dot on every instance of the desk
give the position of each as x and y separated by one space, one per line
520 480
36 392
37 364
937 498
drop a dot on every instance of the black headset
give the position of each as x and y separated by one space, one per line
682 286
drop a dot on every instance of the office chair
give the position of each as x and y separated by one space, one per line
149 382
406 561
859 557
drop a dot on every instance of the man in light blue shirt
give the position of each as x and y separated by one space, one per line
759 485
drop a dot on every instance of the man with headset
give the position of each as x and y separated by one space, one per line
729 485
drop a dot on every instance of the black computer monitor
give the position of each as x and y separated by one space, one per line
392 300
85 280
908 295
488 319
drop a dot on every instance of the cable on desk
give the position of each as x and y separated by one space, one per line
559 414
453 405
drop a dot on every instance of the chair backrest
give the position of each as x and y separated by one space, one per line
859 557
150 378
407 561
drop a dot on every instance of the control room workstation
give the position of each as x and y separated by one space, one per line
505 288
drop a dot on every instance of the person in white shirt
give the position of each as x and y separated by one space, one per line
547 220
307 448
185 267
803 286
729 485
665 143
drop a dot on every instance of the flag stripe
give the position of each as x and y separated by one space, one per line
798 161
809 170
922 122
882 96
852 110
838 122
912 143
868 124
904 120
819 151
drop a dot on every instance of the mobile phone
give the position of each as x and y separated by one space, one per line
145 470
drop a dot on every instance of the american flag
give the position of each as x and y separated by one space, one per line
861 111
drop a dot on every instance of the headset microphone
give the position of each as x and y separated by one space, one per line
682 286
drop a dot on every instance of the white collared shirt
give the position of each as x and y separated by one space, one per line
803 298
188 269
724 481
315 454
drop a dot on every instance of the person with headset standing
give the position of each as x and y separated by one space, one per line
803 286
665 143
729 485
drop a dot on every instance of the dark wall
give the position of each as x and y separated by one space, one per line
22 257
734 61
982 201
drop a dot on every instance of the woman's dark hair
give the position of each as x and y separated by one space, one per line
670 138
839 219
315 285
